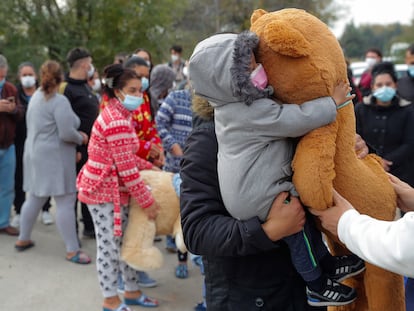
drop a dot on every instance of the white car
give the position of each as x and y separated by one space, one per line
359 67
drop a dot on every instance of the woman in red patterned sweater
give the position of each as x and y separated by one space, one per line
143 120
107 181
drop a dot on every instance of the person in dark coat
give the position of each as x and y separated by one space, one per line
386 122
246 266
86 106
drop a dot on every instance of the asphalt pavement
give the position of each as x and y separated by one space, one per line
40 279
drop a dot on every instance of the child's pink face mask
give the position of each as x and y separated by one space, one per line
259 77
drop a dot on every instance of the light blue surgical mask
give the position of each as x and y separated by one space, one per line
131 102
410 70
145 84
384 94
2 82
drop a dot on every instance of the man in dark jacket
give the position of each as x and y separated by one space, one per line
246 267
85 104
11 111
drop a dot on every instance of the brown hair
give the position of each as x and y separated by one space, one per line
51 76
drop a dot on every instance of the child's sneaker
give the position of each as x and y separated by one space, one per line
333 294
181 271
144 280
345 267
200 307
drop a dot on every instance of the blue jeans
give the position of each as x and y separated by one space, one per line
307 248
409 294
177 183
7 169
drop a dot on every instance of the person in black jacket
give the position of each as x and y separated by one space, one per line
246 266
386 122
85 104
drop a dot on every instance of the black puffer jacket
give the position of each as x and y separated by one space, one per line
244 270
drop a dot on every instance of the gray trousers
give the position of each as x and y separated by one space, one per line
65 218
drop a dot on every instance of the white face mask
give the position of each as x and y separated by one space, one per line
174 57
91 71
185 71
371 61
28 81
96 85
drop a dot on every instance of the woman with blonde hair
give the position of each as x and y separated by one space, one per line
49 161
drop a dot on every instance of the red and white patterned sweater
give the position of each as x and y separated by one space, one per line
111 174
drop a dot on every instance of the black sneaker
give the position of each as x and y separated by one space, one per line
333 294
345 267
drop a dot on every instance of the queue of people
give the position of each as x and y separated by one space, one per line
163 127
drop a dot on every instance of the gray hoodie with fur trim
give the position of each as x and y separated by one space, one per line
254 133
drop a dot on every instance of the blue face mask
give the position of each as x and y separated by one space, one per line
384 94
411 70
145 84
2 82
132 102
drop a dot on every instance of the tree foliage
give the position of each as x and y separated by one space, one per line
356 40
36 30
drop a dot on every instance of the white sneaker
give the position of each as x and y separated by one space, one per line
15 221
47 218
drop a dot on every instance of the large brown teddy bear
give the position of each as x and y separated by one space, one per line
138 248
303 61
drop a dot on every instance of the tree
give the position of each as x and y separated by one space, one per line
50 28
355 41
39 29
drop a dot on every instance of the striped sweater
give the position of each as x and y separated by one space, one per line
174 124
111 174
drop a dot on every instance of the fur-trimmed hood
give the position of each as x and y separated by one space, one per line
396 101
220 69
202 108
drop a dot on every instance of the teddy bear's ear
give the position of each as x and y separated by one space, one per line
285 40
256 15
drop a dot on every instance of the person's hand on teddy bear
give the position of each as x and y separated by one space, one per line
342 93
152 211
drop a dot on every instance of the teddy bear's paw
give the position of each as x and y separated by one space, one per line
179 241
143 260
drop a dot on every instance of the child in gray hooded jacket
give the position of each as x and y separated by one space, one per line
256 144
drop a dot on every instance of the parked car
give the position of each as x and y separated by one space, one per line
359 67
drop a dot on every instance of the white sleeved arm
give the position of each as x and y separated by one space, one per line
387 244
